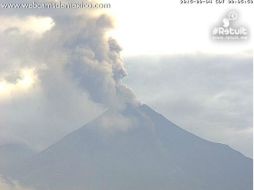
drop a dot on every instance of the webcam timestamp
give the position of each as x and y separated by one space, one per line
216 1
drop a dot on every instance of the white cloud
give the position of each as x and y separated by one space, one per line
7 185
75 71
24 81
36 25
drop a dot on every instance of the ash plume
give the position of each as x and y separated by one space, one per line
90 56
77 66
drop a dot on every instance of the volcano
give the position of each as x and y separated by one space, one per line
135 149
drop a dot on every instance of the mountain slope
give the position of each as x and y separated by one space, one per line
136 149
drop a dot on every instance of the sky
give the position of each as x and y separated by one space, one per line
47 83
167 41
168 27
208 96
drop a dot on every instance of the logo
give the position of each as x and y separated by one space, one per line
229 28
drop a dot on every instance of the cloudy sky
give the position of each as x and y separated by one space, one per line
210 96
59 69
168 27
